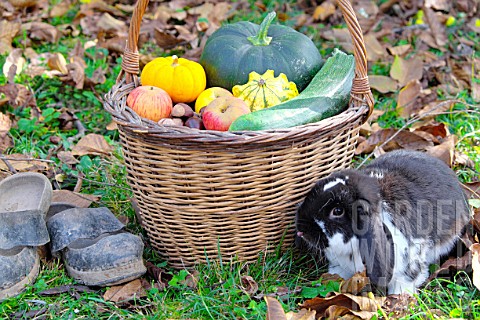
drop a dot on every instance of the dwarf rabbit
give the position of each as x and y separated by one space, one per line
393 218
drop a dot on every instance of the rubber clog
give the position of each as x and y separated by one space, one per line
95 249
24 201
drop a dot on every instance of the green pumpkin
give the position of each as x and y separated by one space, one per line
235 50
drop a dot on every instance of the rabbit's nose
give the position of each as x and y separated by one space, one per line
300 234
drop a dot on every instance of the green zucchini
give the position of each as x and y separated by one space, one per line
327 95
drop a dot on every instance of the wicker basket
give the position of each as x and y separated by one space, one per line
208 193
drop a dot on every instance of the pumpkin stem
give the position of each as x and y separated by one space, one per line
261 38
175 61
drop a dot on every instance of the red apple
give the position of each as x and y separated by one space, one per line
150 102
221 112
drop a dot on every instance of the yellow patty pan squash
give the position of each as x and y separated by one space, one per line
181 78
266 90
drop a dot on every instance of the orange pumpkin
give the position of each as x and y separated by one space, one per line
181 78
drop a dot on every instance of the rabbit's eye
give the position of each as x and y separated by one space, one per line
337 212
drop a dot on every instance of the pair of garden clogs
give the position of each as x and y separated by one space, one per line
95 249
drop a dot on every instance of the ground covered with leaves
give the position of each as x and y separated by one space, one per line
59 58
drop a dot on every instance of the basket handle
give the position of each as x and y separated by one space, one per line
360 93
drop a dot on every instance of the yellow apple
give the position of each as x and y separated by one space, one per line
209 95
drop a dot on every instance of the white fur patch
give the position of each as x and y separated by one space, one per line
344 257
376 174
333 183
406 254
321 224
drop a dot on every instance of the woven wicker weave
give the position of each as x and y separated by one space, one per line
205 193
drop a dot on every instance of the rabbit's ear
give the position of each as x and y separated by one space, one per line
376 248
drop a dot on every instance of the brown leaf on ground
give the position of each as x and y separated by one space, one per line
191 280
158 274
57 62
345 300
405 71
66 157
249 286
401 50
165 39
282 293
445 151
476 91
19 96
126 292
274 309
92 144
339 312
475 249
472 190
382 84
8 30
74 198
14 64
76 72
396 140
339 36
41 31
303 314
108 23
324 10
375 50
435 108
406 98
437 29
5 139
23 163
358 283
398 305
437 130
453 263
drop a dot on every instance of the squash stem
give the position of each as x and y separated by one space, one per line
261 39
175 61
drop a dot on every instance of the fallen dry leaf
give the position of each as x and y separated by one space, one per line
453 263
16 61
249 286
8 30
382 84
74 198
340 312
126 292
437 29
324 10
5 125
445 151
475 249
401 50
406 70
303 314
406 98
396 140
41 31
92 144
23 163
375 50
66 157
398 305
351 302
274 309
57 62
356 284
